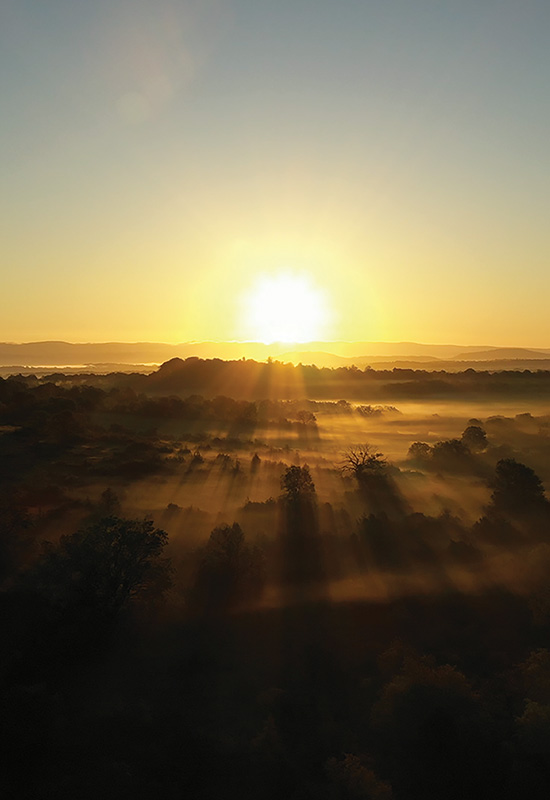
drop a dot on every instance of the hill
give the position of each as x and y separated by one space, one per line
498 353
78 354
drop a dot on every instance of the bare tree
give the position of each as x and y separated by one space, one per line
362 460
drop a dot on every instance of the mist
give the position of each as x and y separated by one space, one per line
295 568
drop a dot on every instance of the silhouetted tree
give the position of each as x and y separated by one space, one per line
420 453
517 489
297 484
302 558
376 486
453 455
196 461
306 417
475 438
363 460
230 571
101 567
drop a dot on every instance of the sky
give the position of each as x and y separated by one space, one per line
165 163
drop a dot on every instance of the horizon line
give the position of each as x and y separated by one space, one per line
270 344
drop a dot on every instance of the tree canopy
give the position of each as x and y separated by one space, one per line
103 566
297 483
517 488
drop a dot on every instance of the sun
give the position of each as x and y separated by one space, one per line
286 307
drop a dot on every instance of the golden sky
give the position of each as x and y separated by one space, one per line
160 160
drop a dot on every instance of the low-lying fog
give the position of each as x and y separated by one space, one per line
405 496
220 475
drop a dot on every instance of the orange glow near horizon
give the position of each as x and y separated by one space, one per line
185 149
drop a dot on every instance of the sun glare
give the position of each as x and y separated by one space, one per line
286 307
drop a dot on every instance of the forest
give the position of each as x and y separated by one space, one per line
244 580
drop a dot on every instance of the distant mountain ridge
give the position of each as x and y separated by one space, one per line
60 353
498 353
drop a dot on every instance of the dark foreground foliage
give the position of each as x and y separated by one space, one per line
228 666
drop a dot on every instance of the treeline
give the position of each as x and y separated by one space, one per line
30 401
247 378
252 380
